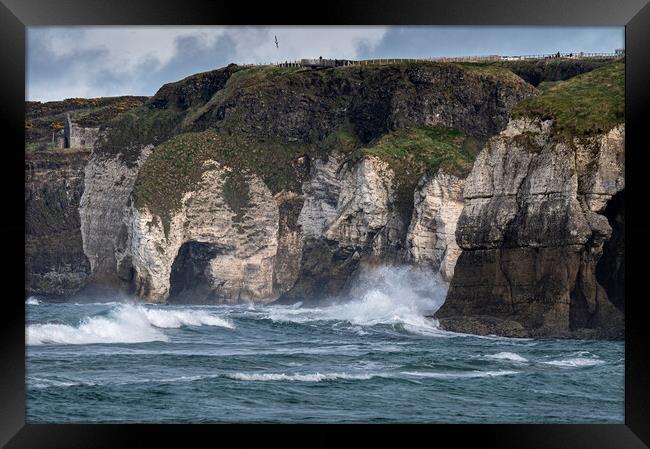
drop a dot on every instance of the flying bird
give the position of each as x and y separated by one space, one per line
276 42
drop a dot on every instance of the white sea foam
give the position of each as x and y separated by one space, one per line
459 375
177 318
511 356
41 382
315 377
126 323
32 301
577 362
388 295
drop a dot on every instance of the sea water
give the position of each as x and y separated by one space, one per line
374 358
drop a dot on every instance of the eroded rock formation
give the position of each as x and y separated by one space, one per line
239 245
431 236
532 233
108 183
299 240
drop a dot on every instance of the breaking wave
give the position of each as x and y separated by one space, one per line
179 318
390 296
578 359
32 301
510 356
577 362
124 323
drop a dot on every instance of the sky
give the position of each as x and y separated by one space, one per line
68 62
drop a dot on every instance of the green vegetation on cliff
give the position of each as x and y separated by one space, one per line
538 71
176 166
139 127
585 105
411 152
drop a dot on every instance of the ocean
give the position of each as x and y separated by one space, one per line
375 358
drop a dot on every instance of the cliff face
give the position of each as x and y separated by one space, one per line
255 184
431 236
542 226
349 215
55 263
532 233
213 251
307 106
108 183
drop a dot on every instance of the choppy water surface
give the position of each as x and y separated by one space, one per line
375 359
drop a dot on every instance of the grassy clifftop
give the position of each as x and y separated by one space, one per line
587 104
538 71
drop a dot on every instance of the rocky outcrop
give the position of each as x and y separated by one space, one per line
307 106
533 231
55 264
349 216
214 251
290 241
352 220
108 183
431 238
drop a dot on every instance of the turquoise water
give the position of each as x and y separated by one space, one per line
374 359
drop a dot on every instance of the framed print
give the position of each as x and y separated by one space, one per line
405 214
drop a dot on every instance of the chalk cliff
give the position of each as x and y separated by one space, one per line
431 236
543 204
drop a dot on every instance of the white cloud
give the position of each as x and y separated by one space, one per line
127 47
128 51
258 45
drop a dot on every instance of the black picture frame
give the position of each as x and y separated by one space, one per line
15 15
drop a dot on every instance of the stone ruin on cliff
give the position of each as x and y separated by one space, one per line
74 136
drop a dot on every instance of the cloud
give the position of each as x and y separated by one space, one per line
64 62
68 62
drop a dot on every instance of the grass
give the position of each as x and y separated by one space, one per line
582 106
537 71
489 70
141 126
412 151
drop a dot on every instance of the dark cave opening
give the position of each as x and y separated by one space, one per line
188 281
610 270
